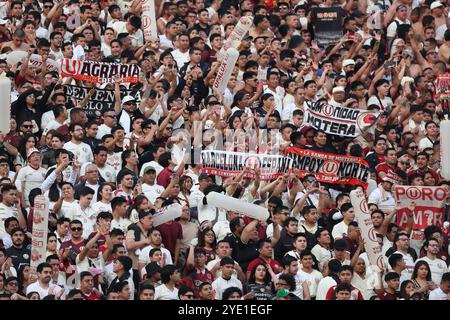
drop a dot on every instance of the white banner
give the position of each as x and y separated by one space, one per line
225 70
232 204
36 62
368 232
236 36
40 230
5 105
167 214
149 20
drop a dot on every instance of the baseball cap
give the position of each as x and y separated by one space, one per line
152 268
387 179
402 6
204 176
31 151
283 293
149 168
436 4
338 89
2 22
127 99
348 62
116 127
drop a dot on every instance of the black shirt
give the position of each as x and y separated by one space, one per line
19 256
285 244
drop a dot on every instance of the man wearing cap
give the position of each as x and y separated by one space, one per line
382 196
347 66
150 188
125 111
30 176
401 15
338 96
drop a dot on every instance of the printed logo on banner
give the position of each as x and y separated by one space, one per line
363 206
252 162
372 234
71 66
380 263
146 21
413 193
329 167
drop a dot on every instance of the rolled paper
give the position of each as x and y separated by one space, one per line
445 147
167 214
236 36
40 231
232 204
5 104
149 20
225 70
368 232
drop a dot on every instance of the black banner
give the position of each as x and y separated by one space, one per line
327 24
101 98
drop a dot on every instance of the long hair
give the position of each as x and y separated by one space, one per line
23 142
53 193
252 278
136 203
416 270
201 237
182 181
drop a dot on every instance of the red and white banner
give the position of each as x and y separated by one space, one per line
40 231
236 36
339 121
36 62
231 164
368 232
429 209
99 72
329 168
149 20
225 70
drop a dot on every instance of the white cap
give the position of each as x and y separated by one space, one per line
127 99
338 89
3 22
436 4
348 62
406 80
31 151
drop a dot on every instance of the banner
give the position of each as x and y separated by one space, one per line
99 72
5 105
327 24
40 230
329 168
236 36
230 164
36 62
341 121
167 214
444 129
429 209
232 204
368 232
149 20
225 70
101 98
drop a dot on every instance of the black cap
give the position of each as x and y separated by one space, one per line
126 262
152 268
226 260
204 176
115 128
144 213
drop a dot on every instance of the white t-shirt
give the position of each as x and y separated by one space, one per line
386 102
438 294
152 192
164 293
322 255
220 285
324 285
87 263
35 287
339 230
102 130
221 229
82 151
437 266
388 204
392 28
108 173
288 111
87 217
409 261
66 207
144 255
101 207
180 57
312 279
31 179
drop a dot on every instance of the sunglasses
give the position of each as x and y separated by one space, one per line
413 148
112 117
76 229
28 126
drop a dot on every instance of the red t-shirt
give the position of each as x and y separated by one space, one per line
195 278
170 232
276 267
391 172
164 177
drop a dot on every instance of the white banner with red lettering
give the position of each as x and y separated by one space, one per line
40 231
429 209
368 232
